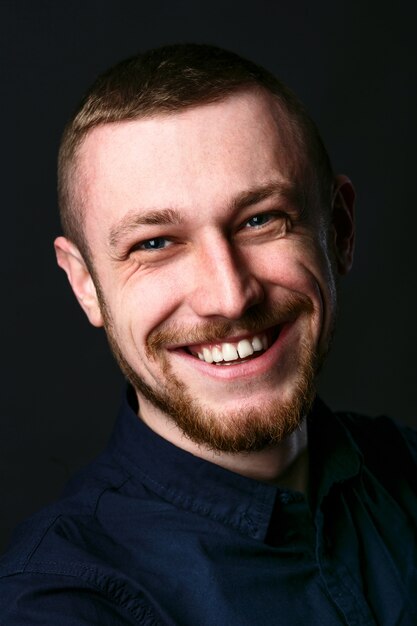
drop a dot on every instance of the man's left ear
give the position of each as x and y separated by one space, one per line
343 222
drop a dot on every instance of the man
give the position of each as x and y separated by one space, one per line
205 230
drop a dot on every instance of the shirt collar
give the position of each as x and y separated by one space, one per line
192 483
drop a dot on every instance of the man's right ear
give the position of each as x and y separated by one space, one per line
70 259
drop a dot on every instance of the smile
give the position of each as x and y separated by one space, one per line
230 352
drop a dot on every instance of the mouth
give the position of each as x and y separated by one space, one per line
234 351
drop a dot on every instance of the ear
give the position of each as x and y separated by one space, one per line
343 222
70 259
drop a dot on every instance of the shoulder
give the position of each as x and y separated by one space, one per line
380 433
57 568
388 449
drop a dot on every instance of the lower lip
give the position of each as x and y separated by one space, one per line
252 367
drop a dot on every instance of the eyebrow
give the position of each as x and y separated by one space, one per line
285 190
132 220
155 217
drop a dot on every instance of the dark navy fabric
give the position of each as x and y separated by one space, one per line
150 534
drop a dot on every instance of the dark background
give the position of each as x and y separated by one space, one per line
352 63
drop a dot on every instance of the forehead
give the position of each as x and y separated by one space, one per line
197 157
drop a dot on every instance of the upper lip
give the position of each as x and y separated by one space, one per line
231 339
220 340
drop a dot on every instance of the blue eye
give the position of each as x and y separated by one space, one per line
154 244
259 220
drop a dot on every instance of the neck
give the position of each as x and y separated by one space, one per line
284 464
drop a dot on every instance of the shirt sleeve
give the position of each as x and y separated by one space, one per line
64 600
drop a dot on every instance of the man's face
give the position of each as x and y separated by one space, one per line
214 276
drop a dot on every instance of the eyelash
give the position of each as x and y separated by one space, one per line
142 244
269 216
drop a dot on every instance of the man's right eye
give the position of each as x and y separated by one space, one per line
158 243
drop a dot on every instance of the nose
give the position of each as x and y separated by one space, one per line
224 284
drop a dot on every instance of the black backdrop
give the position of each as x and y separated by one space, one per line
352 63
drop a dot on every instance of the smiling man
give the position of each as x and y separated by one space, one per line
205 231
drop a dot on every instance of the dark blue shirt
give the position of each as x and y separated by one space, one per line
150 534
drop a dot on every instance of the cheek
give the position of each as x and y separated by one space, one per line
143 303
299 266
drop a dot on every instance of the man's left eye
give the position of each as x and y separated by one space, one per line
259 220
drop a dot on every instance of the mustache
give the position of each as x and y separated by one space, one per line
255 320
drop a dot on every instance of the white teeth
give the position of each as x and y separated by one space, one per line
244 348
217 354
256 344
229 352
207 356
